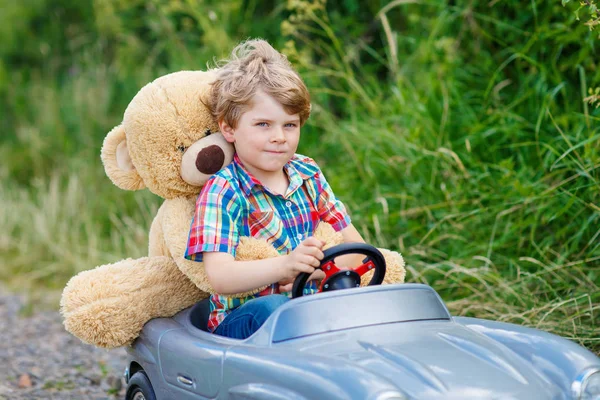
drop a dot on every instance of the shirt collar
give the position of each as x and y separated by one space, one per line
295 175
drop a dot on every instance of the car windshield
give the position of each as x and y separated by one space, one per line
355 308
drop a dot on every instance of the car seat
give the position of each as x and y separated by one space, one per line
200 313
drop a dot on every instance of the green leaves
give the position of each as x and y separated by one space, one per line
455 132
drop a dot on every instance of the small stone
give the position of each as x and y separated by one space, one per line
25 381
47 362
115 383
95 379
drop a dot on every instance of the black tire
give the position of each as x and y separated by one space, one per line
140 388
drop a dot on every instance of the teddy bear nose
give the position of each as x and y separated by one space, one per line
210 159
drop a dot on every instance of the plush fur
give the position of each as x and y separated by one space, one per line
108 305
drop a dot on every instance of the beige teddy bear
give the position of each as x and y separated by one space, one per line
168 143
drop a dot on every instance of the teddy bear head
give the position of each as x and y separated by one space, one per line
168 141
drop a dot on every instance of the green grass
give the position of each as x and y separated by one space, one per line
458 136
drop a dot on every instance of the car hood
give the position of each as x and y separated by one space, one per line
437 360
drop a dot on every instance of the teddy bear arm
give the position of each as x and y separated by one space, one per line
395 266
174 220
108 306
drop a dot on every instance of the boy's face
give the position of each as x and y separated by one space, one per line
266 137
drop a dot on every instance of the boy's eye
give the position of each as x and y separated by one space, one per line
291 125
262 124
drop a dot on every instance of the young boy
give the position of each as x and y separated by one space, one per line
267 192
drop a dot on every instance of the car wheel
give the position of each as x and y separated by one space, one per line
140 388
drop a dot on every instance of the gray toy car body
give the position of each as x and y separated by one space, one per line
372 343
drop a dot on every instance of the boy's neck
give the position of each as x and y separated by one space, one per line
276 183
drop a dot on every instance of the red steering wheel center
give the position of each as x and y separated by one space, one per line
330 269
344 278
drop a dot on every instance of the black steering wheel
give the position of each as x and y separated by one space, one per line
336 278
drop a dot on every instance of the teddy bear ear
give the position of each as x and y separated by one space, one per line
117 161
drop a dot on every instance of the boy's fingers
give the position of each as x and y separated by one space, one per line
308 269
286 288
319 255
313 242
317 275
312 260
314 252
285 281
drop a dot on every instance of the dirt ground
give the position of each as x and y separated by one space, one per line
40 360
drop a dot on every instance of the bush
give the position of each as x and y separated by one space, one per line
455 131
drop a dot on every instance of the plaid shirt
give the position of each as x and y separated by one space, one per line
234 203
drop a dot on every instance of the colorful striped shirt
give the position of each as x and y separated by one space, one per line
233 203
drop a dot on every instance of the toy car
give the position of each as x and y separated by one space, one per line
381 342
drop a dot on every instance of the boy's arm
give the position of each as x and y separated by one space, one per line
214 225
351 235
228 276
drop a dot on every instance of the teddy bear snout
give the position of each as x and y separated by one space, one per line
210 159
205 157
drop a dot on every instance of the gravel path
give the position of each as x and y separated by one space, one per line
40 360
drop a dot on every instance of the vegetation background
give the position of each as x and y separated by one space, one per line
464 134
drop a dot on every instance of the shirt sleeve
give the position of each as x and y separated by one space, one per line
330 209
214 227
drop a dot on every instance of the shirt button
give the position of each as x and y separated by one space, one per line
300 236
288 204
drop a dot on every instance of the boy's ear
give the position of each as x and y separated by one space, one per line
117 161
227 131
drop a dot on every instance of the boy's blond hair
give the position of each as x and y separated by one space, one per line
255 65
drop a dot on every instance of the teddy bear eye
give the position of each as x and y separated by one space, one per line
208 132
181 148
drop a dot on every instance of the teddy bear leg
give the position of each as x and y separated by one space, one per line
108 306
394 268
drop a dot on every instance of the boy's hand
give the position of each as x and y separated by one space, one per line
286 285
304 258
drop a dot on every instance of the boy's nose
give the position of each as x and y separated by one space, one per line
278 135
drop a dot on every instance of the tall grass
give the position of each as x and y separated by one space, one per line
50 233
485 178
454 131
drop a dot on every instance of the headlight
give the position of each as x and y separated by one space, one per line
587 385
392 395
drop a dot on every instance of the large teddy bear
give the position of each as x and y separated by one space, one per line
169 143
